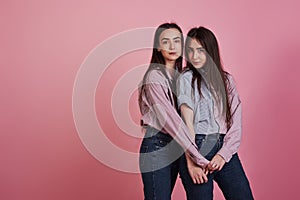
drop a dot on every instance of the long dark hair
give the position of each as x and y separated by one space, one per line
213 74
157 60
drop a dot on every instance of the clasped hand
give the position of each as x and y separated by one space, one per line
199 174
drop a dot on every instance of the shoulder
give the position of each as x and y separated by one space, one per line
186 75
155 76
230 78
230 82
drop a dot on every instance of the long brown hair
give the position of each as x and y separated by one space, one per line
157 60
213 72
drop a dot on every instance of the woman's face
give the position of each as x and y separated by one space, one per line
170 44
196 54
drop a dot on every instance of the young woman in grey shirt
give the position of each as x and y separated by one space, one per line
211 108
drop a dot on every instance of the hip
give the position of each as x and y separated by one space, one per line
209 145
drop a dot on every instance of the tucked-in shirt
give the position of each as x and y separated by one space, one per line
207 116
158 111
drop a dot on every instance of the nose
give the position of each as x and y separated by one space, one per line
172 45
195 55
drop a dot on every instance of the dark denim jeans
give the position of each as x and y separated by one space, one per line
231 179
159 164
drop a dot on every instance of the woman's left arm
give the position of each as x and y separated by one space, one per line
232 139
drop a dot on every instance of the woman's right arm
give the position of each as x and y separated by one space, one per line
198 174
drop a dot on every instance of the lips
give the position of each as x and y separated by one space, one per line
172 53
196 63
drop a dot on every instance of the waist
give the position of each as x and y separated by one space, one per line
214 136
153 132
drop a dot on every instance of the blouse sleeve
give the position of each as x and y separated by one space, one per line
232 139
168 117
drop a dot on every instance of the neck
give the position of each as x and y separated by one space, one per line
170 67
170 64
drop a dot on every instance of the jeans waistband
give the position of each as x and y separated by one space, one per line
214 136
152 132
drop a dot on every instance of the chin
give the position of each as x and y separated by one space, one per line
198 67
173 58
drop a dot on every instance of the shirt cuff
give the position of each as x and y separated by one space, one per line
225 153
201 162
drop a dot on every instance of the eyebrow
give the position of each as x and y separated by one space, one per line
171 38
196 48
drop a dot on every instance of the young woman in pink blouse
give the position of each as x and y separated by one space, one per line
211 108
165 133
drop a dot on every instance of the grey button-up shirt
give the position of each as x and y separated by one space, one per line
207 118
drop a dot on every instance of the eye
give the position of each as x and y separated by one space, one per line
201 50
164 42
177 41
189 50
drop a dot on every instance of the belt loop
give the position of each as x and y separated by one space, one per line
206 137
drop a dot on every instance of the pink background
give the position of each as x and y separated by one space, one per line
43 44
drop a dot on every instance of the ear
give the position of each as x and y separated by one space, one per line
158 49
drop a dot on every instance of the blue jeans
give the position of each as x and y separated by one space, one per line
159 164
231 179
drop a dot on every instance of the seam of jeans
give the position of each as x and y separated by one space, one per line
153 181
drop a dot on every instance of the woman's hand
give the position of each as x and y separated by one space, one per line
216 164
143 130
198 174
